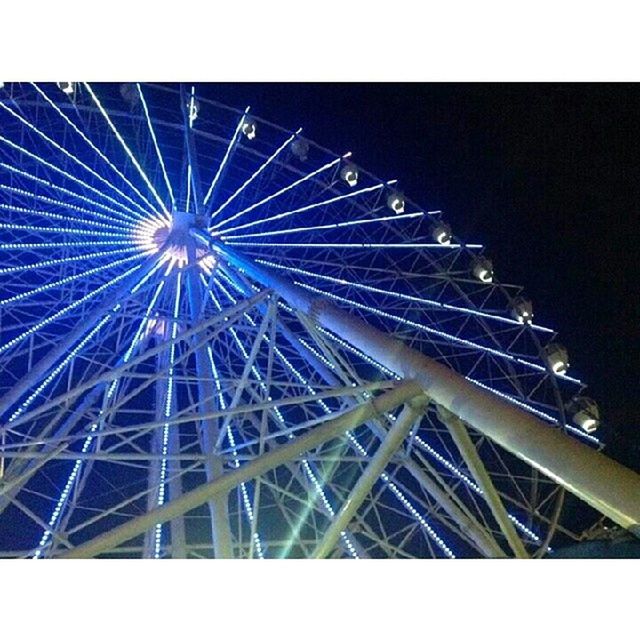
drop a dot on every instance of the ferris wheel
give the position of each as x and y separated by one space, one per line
220 339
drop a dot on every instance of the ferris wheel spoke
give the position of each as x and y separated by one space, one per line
122 217
111 223
155 144
231 147
66 153
99 153
57 261
276 194
322 227
127 150
255 174
309 207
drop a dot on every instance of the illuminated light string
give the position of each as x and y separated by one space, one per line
308 207
392 486
193 112
62 500
61 245
155 144
422 327
355 245
53 262
305 463
236 462
93 146
402 296
255 174
59 216
278 193
128 151
56 187
225 158
69 155
43 323
320 227
68 279
79 232
67 175
167 413
112 224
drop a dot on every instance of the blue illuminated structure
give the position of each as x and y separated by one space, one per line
140 362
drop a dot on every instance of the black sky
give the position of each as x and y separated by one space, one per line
545 175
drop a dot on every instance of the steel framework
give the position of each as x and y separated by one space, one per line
220 339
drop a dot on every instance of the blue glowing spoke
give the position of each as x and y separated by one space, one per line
61 245
428 329
100 153
305 463
113 224
402 296
155 144
59 314
69 155
60 216
68 279
78 232
62 500
128 151
167 413
255 174
322 227
236 462
122 217
278 193
308 207
225 158
67 175
354 245
54 262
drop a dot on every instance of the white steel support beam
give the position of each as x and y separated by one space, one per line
401 394
603 483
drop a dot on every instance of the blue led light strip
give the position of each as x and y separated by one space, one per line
355 245
402 296
79 232
112 224
167 413
255 174
225 158
63 281
67 175
423 327
308 207
320 227
277 194
128 151
62 500
56 261
62 312
93 146
155 144
69 155
56 187
60 245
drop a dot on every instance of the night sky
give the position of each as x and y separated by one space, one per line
545 175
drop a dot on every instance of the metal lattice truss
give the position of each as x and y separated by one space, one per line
162 395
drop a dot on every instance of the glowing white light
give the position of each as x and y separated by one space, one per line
395 201
67 87
349 173
249 128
